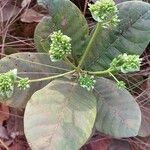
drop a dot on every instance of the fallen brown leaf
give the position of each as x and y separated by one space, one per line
3 133
7 12
30 16
25 3
98 142
4 113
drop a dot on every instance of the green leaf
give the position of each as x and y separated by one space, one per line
118 113
32 65
60 116
131 36
64 16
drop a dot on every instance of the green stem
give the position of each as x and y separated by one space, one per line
100 73
96 32
70 63
52 77
114 77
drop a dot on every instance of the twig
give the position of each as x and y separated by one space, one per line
85 7
4 145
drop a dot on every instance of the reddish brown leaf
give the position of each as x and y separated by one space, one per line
15 123
3 133
99 142
30 16
4 113
119 145
8 11
20 145
25 3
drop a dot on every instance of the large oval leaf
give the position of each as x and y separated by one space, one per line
32 65
131 36
118 113
59 117
65 16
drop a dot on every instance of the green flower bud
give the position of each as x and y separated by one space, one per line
105 12
23 83
121 85
87 82
126 63
60 46
7 82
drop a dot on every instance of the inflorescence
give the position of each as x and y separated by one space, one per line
105 12
87 81
23 83
60 46
126 63
8 81
121 85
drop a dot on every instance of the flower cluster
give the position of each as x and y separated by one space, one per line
105 12
121 85
87 81
7 81
23 83
126 63
60 46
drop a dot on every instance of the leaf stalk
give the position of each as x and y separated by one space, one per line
52 77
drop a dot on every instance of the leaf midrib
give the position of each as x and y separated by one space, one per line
60 114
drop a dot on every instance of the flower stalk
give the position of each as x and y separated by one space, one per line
52 77
93 38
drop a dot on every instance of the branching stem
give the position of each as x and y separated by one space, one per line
96 32
70 63
114 77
